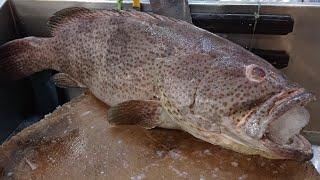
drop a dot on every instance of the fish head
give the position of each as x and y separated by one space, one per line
257 108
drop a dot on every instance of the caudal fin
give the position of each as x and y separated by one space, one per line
23 57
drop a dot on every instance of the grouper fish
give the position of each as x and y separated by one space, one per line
156 71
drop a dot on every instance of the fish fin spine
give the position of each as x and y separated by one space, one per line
64 16
63 80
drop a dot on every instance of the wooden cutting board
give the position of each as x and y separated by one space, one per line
76 142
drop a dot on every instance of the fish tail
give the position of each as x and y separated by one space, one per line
23 57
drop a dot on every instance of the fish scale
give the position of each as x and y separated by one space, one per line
156 71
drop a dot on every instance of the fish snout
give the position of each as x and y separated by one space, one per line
278 121
257 122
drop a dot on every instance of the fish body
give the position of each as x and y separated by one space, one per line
156 71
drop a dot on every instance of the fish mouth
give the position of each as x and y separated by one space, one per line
284 117
297 147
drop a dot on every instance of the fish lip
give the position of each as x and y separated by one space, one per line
291 99
299 150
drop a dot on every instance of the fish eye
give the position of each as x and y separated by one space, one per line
255 73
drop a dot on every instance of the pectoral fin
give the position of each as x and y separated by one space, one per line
66 81
148 114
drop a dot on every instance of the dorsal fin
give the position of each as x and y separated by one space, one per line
63 16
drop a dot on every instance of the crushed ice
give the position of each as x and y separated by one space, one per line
175 154
47 115
138 177
207 152
179 173
31 165
160 153
85 113
234 164
243 177
214 172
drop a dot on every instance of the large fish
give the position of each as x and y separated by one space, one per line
160 72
